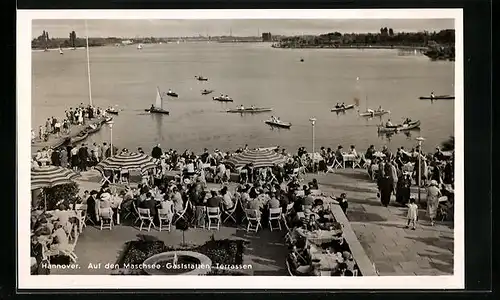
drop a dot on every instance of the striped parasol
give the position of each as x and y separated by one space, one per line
259 158
50 176
127 161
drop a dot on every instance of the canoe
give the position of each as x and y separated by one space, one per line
157 111
398 128
250 110
375 113
207 92
439 97
172 94
339 109
199 78
113 112
222 99
280 124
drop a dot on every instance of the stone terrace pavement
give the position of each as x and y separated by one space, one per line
394 250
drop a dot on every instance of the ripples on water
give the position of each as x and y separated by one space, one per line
253 74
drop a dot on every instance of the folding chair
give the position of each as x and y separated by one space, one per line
230 214
181 214
253 217
70 249
213 215
81 209
124 175
274 215
136 212
106 218
331 168
337 164
145 217
356 163
165 219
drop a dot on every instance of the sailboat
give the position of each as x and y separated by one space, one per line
139 47
158 106
60 51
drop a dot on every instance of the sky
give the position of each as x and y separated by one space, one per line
238 27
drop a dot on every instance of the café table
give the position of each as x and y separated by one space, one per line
318 237
348 158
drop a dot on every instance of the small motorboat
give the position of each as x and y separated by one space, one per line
439 97
172 94
375 113
278 123
250 110
401 127
112 111
201 78
157 110
206 92
344 108
222 99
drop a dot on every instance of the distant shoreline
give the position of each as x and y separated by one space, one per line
375 47
55 49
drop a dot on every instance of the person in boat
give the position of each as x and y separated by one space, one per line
337 105
388 124
432 96
152 107
241 107
226 97
343 105
253 107
372 113
169 91
380 108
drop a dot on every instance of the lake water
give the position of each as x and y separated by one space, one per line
252 74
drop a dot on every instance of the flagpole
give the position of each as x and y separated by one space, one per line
88 62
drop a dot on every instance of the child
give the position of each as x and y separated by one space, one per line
412 215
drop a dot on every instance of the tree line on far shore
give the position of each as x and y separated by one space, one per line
439 44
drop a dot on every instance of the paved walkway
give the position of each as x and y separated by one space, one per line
394 250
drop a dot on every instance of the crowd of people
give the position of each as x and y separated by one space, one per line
62 126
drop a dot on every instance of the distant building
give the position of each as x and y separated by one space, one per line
267 37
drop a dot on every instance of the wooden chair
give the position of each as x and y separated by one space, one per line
253 218
181 214
165 219
81 209
146 218
106 218
230 214
275 215
214 216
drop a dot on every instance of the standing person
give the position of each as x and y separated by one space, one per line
343 202
97 152
104 151
156 152
83 157
433 194
64 157
393 175
412 214
385 190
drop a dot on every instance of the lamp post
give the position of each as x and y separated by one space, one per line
420 140
313 122
110 123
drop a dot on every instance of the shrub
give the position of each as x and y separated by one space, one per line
68 193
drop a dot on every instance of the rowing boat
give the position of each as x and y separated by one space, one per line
172 94
80 137
374 113
250 110
280 124
206 92
201 78
112 111
398 128
157 111
339 109
222 99
440 97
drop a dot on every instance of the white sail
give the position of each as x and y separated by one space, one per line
159 100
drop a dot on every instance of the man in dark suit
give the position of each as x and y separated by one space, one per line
214 201
83 155
156 152
150 204
91 206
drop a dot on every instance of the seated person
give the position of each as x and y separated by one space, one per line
313 185
227 200
273 202
312 224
